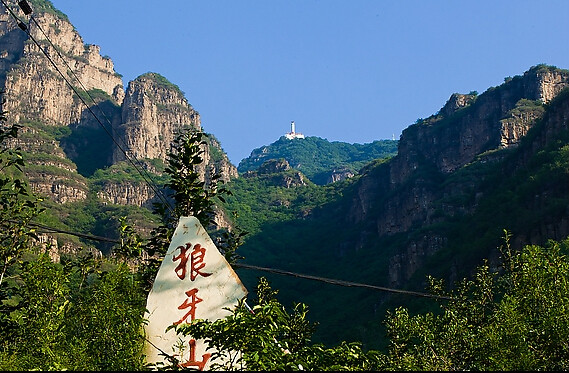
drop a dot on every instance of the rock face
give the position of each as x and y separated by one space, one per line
338 175
273 166
152 112
68 99
479 129
127 193
280 173
467 128
457 101
34 90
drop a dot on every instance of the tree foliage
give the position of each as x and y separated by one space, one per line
514 318
81 313
85 311
268 337
192 195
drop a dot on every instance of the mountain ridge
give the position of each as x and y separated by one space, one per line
320 160
439 207
483 163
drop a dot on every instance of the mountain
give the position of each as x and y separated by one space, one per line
92 147
481 165
318 159
438 206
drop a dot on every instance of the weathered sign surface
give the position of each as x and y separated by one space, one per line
194 281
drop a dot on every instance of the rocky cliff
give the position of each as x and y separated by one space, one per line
34 88
69 99
152 111
417 189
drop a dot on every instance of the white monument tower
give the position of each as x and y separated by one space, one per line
292 134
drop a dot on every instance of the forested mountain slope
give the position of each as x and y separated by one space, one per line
318 159
437 205
482 164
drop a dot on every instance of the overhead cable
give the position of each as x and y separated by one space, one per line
338 282
48 229
265 269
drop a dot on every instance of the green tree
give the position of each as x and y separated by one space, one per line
33 309
192 194
268 337
17 206
104 321
83 313
514 318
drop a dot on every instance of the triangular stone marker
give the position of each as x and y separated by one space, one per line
194 281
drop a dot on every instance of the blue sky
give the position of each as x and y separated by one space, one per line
344 70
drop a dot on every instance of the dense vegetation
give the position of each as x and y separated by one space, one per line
82 312
508 197
317 158
513 318
85 312
257 201
302 229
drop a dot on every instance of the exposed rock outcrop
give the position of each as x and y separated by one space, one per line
60 189
466 129
280 173
339 175
49 243
34 89
67 97
273 165
153 111
457 101
127 193
48 170
143 121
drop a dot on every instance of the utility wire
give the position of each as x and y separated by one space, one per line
338 282
265 269
47 229
153 186
81 235
144 175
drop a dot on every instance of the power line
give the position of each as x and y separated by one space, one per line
339 282
159 193
265 269
48 229
24 28
81 235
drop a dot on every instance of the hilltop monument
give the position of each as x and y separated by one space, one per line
292 134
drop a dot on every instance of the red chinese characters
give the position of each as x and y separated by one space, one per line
195 255
192 362
190 303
